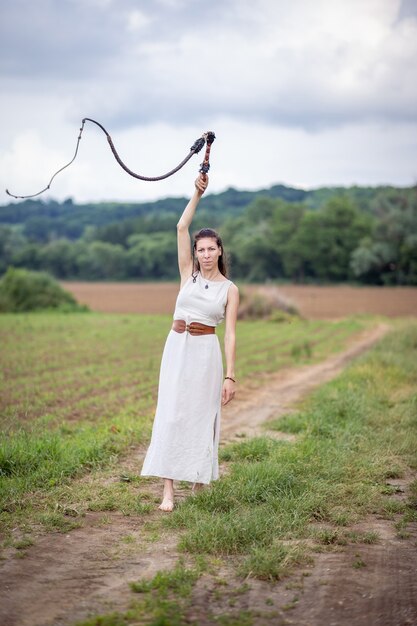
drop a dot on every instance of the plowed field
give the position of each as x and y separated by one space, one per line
313 302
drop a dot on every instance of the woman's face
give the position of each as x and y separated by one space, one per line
207 252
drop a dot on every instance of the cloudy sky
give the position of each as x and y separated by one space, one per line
301 92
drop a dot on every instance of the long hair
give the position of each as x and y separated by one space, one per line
211 234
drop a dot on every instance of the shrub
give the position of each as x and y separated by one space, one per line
266 303
23 290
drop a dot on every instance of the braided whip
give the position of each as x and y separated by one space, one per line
207 138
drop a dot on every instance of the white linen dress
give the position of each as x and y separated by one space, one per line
186 429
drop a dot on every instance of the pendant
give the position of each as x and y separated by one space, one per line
206 287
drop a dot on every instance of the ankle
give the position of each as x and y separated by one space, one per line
169 488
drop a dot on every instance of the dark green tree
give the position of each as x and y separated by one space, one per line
153 256
59 258
327 238
389 255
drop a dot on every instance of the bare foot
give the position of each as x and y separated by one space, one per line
197 487
167 503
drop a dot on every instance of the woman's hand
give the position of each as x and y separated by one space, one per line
201 183
228 392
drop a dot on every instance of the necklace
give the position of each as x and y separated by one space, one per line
212 280
206 279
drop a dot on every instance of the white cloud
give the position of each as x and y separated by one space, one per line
303 64
136 20
333 83
246 156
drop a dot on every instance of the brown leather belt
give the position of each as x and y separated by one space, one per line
195 328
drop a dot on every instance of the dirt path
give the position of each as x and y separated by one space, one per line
254 406
374 585
67 577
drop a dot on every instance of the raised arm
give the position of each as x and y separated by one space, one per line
185 259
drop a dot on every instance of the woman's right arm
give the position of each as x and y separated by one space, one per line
185 259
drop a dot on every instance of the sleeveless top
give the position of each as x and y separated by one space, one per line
198 303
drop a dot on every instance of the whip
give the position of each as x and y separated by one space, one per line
206 139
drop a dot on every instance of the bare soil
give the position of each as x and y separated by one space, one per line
313 302
67 577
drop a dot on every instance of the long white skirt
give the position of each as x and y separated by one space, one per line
186 429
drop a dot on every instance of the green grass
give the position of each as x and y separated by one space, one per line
281 502
275 561
353 434
78 391
180 581
164 600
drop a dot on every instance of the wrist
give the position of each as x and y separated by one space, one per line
232 378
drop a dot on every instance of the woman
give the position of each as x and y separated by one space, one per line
186 429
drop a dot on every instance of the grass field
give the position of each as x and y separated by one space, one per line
79 390
352 435
78 393
280 503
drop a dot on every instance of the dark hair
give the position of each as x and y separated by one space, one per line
211 234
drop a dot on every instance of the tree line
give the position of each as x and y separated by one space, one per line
366 235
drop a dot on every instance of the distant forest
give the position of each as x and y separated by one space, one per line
356 234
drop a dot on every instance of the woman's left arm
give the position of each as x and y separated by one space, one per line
228 391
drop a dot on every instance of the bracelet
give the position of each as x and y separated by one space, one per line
229 378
